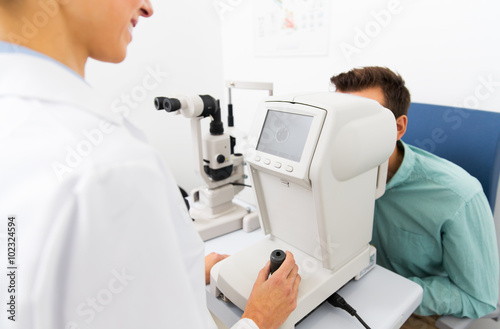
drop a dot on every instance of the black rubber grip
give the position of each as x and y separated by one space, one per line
277 258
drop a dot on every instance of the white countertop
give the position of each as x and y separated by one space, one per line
383 299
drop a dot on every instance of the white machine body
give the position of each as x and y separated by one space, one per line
319 162
217 150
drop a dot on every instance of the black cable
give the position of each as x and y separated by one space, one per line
240 184
362 322
337 301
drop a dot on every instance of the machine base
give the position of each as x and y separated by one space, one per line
235 276
212 227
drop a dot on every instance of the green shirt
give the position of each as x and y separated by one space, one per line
434 226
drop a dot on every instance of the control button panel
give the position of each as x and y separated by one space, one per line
275 164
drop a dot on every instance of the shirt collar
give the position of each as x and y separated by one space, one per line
7 47
12 48
405 169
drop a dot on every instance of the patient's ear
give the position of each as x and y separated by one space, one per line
401 123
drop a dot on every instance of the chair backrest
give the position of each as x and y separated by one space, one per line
468 138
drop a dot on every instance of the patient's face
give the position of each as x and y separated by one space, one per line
374 93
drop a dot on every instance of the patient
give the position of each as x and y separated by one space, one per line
433 225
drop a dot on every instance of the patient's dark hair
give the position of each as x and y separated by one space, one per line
397 96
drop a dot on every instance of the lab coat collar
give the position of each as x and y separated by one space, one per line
27 76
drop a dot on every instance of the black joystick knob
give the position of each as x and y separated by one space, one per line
167 104
277 258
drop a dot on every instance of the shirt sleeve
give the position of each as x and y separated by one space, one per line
245 323
470 258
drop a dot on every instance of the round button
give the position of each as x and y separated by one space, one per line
221 158
257 158
289 168
277 164
267 161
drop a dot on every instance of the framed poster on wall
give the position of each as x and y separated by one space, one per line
291 27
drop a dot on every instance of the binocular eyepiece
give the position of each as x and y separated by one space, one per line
167 104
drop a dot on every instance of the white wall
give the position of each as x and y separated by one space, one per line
445 50
177 50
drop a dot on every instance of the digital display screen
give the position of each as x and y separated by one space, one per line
284 134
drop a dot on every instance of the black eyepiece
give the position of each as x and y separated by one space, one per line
167 104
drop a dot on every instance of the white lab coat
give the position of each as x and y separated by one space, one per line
103 236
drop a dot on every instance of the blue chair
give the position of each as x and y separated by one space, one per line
471 139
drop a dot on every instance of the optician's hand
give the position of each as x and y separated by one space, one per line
210 260
272 300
